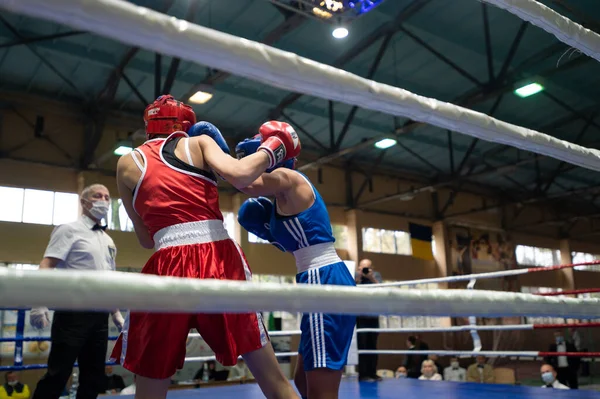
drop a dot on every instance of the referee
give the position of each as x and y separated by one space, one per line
82 336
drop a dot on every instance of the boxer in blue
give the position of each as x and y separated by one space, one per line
298 222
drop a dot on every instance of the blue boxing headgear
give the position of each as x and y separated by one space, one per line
250 146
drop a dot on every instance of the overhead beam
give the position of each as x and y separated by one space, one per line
99 111
366 42
449 182
175 62
488 42
41 38
372 70
288 25
528 201
44 61
467 99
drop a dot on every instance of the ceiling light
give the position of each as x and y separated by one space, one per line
200 97
122 150
529 90
340 32
385 143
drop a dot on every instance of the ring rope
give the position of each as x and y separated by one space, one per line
477 353
97 290
151 30
466 328
571 292
564 29
482 276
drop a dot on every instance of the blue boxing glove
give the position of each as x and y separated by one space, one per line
254 216
211 131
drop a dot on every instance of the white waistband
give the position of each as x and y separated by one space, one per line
315 256
190 233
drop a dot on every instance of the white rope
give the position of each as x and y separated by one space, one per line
209 358
448 353
565 30
93 290
271 334
148 29
452 279
511 327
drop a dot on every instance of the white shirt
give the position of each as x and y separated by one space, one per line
79 247
435 377
576 340
557 385
238 372
562 360
457 375
128 390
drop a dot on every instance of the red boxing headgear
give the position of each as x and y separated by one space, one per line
167 115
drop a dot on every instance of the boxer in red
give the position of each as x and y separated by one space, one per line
169 189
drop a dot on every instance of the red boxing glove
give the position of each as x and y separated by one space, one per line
279 141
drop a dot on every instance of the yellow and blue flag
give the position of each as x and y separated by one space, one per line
420 241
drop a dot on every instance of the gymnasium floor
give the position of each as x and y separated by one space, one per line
392 388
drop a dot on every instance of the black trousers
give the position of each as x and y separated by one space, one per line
81 336
567 376
367 364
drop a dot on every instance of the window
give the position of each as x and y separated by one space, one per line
340 232
117 218
66 208
289 321
229 222
386 241
20 266
53 208
534 256
256 240
12 204
414 321
580 257
542 320
38 206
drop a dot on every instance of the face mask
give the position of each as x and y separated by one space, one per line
481 366
13 383
548 377
99 209
560 340
400 375
454 365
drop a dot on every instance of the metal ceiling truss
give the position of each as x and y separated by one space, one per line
215 77
504 84
35 39
83 96
366 42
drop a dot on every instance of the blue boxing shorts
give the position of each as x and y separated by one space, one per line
326 338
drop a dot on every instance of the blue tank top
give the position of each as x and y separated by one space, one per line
310 227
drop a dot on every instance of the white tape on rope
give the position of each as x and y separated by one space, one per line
565 30
92 290
138 26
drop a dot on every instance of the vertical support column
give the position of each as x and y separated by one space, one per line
19 333
567 276
81 183
443 261
442 256
355 243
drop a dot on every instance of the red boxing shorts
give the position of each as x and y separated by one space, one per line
153 345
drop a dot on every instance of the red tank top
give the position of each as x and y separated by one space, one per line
170 191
